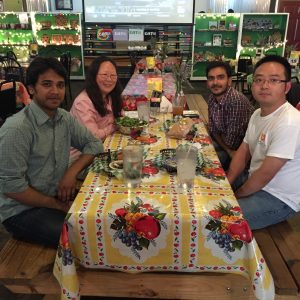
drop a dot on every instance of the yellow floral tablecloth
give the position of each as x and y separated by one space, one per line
158 227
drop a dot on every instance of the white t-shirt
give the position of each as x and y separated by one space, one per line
278 135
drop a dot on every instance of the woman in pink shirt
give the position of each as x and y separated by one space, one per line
97 106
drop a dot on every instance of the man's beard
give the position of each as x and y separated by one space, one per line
220 93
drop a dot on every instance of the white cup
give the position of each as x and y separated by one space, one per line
143 108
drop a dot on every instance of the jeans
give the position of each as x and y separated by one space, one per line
262 209
39 225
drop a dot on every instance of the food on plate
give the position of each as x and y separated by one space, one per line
181 128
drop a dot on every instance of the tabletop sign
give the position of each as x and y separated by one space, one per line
136 34
120 34
150 33
104 34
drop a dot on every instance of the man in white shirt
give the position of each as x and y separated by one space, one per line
271 194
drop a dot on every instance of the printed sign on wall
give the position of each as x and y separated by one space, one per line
104 34
120 34
150 33
136 34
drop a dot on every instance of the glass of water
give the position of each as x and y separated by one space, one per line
186 160
143 108
132 165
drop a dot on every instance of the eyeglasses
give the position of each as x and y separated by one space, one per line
112 77
272 81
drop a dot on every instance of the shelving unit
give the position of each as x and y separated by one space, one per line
60 33
16 34
215 38
227 36
179 39
263 34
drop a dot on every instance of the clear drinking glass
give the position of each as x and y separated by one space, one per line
186 159
178 104
132 165
143 108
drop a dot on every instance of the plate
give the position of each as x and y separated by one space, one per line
109 163
116 165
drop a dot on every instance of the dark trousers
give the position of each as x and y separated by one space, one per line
38 225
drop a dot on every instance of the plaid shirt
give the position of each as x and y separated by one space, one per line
229 117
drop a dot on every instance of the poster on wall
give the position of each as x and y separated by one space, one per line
63 4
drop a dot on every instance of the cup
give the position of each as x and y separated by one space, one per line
132 165
186 160
143 108
178 105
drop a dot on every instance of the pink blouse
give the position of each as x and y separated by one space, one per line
84 111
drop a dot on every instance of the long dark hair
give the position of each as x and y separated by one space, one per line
94 92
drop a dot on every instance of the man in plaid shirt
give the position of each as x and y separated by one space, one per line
229 111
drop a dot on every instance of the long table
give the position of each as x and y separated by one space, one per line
159 227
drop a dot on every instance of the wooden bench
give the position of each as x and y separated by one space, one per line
27 268
280 246
197 102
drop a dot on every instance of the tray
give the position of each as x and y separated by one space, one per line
166 159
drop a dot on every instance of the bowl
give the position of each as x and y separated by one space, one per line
129 126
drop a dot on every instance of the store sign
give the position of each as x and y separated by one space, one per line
104 34
136 34
150 33
120 34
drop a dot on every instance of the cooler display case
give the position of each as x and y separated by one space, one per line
215 38
16 34
58 34
227 36
263 34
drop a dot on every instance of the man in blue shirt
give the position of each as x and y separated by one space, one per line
36 183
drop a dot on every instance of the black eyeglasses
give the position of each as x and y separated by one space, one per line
271 81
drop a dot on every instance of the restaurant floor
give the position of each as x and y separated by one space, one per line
195 87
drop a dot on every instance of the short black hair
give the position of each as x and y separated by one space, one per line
230 10
278 59
219 64
40 65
